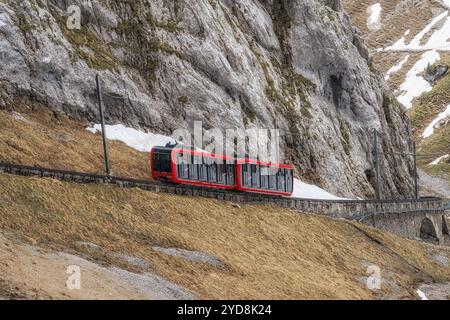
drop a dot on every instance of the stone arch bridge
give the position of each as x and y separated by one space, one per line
425 219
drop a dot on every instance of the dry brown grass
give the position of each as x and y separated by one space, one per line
55 141
429 105
395 19
268 253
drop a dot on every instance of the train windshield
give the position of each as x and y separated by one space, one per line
162 162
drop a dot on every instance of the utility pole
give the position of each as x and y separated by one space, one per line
276 141
416 176
376 154
102 118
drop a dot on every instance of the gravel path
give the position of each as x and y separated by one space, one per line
431 184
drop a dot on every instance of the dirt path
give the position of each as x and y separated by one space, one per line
27 272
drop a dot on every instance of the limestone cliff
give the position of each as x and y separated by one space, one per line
239 63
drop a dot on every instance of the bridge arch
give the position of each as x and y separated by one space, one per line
428 231
445 230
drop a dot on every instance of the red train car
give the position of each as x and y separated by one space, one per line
197 168
265 178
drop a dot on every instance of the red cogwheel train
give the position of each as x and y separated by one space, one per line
185 166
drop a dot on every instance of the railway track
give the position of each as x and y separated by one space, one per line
348 209
124 182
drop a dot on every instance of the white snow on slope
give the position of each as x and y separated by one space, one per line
438 40
415 85
422 295
307 191
373 21
429 131
397 67
141 141
439 160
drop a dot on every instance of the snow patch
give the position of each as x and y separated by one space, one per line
307 191
374 11
429 131
422 295
397 67
439 160
415 85
437 41
139 140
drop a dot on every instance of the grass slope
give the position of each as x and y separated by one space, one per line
268 253
38 137
424 111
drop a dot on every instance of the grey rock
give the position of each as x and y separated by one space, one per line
20 117
434 73
137 262
231 64
191 255
442 260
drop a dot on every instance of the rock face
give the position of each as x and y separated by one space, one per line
434 74
228 63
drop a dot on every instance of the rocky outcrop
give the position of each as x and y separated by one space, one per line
242 63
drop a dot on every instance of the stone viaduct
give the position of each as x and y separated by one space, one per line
425 219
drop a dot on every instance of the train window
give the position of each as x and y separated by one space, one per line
197 164
255 176
244 173
289 181
282 180
193 171
203 172
230 174
273 178
182 168
221 174
183 171
264 178
212 169
247 174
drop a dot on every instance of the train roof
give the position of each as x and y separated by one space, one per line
179 147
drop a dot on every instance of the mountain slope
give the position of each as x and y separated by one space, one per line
211 249
410 45
229 64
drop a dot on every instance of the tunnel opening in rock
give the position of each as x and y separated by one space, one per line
445 229
428 231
